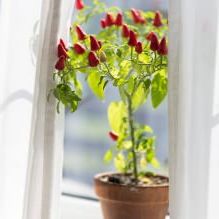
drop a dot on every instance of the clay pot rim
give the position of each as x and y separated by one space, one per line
99 175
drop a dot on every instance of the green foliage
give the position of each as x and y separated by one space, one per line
66 96
117 114
135 76
96 84
139 96
108 156
159 89
119 162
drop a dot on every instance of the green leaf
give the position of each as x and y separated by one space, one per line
151 141
159 89
78 88
95 84
155 163
125 67
126 145
119 52
144 58
148 129
143 162
66 96
130 85
116 113
119 162
147 84
139 96
108 156
150 155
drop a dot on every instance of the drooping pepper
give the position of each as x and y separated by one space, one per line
113 136
137 17
79 48
125 31
81 34
94 44
103 23
163 50
61 41
157 22
132 38
154 43
119 19
149 36
139 48
93 59
60 64
109 20
61 51
79 4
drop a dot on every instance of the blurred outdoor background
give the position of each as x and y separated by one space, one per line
86 131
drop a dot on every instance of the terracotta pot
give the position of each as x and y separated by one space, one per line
129 202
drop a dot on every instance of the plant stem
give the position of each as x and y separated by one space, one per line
108 70
132 133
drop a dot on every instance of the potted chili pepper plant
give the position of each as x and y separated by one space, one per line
129 52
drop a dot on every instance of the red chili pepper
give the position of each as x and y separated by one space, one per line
113 136
100 43
157 20
125 31
93 59
132 38
139 48
79 4
109 19
154 43
81 34
60 64
103 23
61 41
149 36
119 19
136 15
163 50
79 48
142 20
61 51
94 44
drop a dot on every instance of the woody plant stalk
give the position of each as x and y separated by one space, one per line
129 52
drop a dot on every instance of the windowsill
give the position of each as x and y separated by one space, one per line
80 208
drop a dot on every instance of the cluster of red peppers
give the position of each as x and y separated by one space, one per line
136 15
95 56
95 46
155 45
62 55
110 20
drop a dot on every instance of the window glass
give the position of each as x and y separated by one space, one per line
86 130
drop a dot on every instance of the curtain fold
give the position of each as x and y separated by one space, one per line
194 108
40 184
46 145
31 133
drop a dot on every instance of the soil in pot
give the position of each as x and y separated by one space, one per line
122 198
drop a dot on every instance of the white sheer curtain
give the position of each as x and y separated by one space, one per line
194 108
30 131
